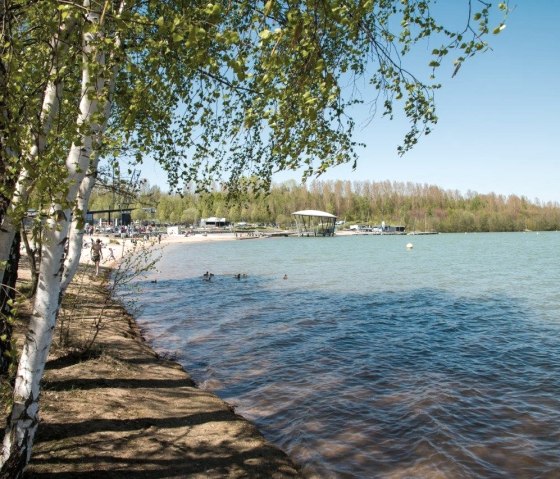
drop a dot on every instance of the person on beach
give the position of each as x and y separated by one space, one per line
111 255
96 255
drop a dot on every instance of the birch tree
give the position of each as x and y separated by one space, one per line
20 432
29 106
217 90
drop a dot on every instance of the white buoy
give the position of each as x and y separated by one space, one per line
409 246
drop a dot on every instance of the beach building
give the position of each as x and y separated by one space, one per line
213 221
314 223
110 217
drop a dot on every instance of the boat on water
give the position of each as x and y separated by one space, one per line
249 236
417 233
378 230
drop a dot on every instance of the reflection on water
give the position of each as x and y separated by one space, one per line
372 381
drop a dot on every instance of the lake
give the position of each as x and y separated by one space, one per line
372 360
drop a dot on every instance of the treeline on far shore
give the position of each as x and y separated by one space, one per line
419 207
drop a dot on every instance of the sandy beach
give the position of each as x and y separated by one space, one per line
121 411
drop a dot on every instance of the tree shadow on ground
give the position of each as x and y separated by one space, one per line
122 412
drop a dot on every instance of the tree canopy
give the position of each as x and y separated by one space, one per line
226 89
242 89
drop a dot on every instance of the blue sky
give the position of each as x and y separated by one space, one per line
499 119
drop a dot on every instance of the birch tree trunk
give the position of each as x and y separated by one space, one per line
23 421
15 206
76 236
7 293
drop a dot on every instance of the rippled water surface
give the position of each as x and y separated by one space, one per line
372 360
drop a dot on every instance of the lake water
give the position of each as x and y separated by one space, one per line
372 360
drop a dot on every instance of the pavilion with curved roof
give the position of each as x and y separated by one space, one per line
314 223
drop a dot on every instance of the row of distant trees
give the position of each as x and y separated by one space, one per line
419 207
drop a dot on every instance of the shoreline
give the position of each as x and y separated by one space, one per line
122 410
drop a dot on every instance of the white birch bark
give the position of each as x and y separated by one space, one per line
76 236
23 421
49 110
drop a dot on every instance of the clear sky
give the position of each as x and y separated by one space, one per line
499 119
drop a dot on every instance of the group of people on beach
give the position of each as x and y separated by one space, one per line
96 249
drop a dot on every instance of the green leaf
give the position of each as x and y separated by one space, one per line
498 29
265 34
267 7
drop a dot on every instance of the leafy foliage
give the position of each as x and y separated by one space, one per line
238 90
220 90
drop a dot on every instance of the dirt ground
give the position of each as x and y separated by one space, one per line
122 412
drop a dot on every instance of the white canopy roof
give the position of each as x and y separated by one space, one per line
322 214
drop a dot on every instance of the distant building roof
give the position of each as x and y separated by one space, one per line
321 214
124 210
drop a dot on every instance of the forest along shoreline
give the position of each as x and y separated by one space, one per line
118 409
